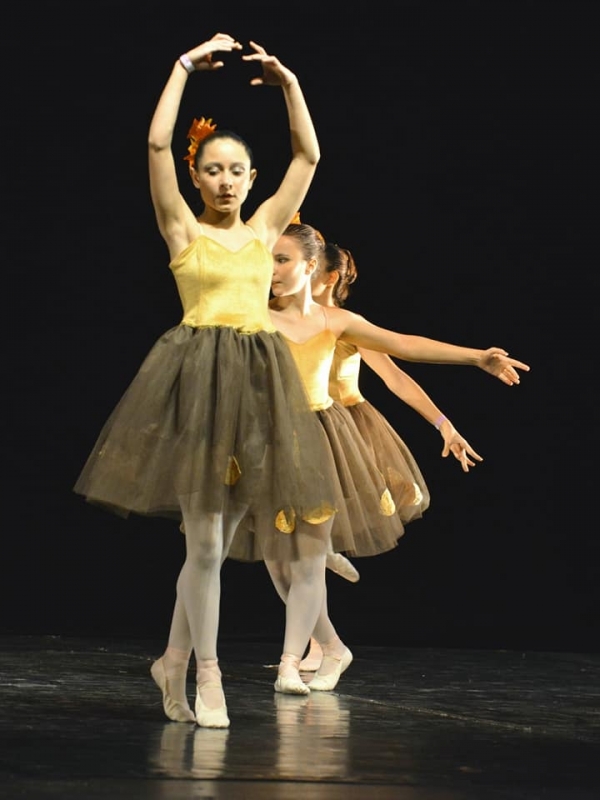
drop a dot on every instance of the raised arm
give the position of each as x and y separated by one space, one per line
274 214
356 329
409 391
175 219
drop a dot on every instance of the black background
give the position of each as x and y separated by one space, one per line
458 164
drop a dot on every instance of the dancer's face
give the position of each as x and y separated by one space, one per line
291 270
223 175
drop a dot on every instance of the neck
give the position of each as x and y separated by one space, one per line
218 219
325 298
300 303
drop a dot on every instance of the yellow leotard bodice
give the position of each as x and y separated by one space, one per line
221 287
343 378
313 359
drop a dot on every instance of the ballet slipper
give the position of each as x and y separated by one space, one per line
328 681
288 678
339 564
211 717
174 709
311 663
312 660
209 677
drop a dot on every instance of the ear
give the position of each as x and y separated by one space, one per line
194 177
332 278
311 265
253 174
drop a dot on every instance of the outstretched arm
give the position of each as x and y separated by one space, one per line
411 393
175 219
356 329
274 214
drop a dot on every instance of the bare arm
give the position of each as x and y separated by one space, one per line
175 219
356 329
409 391
274 214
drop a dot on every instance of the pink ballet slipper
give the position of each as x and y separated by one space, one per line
327 682
176 710
209 678
339 564
288 678
312 660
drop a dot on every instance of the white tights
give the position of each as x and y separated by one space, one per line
195 621
323 630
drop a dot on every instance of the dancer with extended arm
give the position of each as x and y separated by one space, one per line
312 332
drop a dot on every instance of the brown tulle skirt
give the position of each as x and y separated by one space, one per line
221 417
400 470
365 523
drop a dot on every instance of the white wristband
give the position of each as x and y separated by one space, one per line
186 63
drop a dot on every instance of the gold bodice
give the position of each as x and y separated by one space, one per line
313 359
221 287
343 378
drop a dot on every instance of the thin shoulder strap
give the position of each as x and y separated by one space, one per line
254 234
326 318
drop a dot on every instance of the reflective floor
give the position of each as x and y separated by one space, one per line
82 719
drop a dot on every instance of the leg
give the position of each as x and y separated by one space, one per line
195 620
326 647
324 630
304 603
336 656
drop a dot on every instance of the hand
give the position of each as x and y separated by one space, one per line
274 73
201 56
457 445
496 361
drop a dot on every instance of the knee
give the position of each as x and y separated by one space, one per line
309 571
205 554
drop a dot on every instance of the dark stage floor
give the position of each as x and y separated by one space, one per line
82 719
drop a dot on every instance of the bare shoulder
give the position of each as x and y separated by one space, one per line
347 316
338 319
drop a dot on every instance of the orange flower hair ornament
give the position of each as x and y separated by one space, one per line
199 130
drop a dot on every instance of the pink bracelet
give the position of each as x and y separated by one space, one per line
439 421
187 63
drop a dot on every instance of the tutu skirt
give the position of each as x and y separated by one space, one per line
366 522
397 464
222 417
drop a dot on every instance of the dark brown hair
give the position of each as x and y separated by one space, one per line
336 259
223 135
309 239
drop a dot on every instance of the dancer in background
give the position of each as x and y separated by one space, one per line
335 273
313 332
